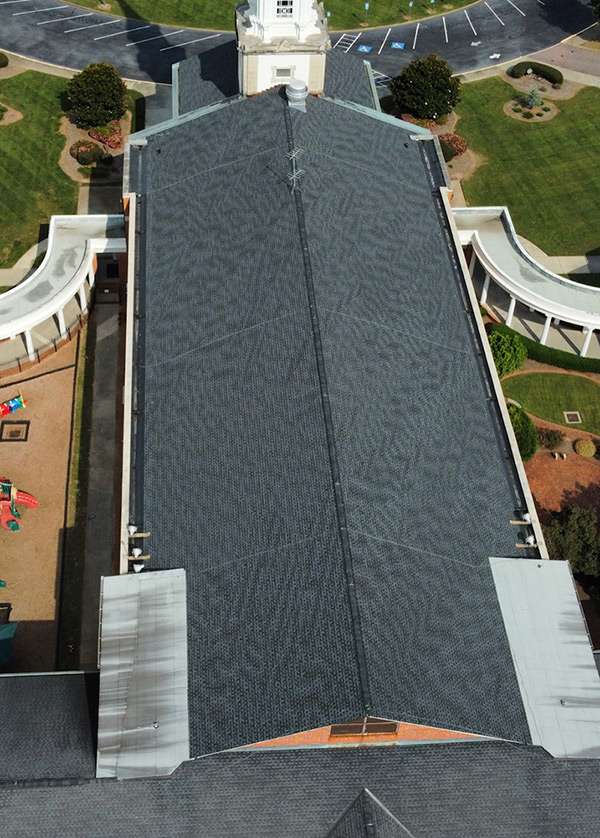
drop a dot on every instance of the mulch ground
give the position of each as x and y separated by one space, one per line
30 559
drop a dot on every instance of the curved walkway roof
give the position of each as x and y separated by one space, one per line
72 242
491 232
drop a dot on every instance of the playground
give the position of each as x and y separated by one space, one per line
36 464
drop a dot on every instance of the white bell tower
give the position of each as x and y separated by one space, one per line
279 40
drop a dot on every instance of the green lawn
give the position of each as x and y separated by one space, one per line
547 174
547 395
31 183
219 14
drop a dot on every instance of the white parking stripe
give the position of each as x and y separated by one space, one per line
493 12
64 17
124 32
36 11
445 28
470 22
338 40
93 26
541 2
387 35
154 38
416 35
514 5
351 44
10 2
195 41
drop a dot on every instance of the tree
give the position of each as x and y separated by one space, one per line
573 535
96 96
508 350
525 432
426 88
596 7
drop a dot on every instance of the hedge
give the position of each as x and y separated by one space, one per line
551 74
525 432
3 59
548 355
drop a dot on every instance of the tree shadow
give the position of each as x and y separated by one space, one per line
157 56
568 17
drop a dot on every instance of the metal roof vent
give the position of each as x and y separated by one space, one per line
297 94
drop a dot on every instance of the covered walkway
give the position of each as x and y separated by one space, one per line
43 311
549 307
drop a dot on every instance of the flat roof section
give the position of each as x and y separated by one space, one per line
553 656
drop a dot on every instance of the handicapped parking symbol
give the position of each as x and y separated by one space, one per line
364 48
397 45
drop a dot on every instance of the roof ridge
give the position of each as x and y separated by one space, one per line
340 508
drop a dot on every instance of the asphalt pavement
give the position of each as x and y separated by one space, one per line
488 32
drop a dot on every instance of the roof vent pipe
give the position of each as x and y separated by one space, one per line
297 94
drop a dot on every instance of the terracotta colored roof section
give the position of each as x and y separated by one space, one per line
321 736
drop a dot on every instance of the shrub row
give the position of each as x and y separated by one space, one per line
551 74
525 432
3 59
548 355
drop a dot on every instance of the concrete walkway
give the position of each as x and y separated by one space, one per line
102 463
563 265
9 277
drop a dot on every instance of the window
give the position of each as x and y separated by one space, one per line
365 727
285 8
283 73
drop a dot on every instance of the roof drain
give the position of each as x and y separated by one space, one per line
361 658
297 94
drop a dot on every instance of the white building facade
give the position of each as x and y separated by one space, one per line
280 40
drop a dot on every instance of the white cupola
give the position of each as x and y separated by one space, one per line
279 40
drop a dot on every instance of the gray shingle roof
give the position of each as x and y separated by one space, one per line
48 726
367 818
347 78
311 603
479 790
207 77
212 76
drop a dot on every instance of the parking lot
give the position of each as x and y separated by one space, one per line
477 36
489 32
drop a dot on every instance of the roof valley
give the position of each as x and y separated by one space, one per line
338 493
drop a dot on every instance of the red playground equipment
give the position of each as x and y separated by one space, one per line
12 405
10 496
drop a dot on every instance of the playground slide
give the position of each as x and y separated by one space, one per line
25 499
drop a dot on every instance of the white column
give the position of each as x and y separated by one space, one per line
486 288
91 276
82 299
546 331
472 263
511 311
586 342
61 322
29 345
